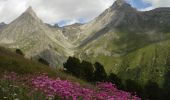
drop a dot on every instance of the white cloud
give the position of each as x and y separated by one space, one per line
158 3
146 9
68 22
52 11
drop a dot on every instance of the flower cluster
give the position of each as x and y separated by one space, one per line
69 90
9 76
42 85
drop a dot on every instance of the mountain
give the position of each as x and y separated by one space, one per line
2 25
121 16
72 32
36 39
130 43
133 44
111 17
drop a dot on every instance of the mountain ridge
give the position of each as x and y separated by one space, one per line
121 38
130 18
32 36
126 41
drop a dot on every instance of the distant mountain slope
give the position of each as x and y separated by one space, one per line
35 38
130 43
2 25
122 17
72 32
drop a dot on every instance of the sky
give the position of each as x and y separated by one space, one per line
66 12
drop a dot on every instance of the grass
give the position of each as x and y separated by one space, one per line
12 62
148 63
11 91
141 61
19 89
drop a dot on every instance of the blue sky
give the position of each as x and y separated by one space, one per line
139 4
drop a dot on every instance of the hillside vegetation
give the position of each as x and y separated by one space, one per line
12 62
25 79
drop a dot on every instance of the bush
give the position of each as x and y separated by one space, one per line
115 80
73 66
99 73
166 87
18 51
87 70
134 87
43 61
152 91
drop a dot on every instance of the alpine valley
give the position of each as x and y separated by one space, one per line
129 43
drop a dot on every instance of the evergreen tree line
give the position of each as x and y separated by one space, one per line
96 73
85 70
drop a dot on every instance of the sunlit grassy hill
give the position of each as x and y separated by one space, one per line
13 62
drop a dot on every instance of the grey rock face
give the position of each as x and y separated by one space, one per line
72 32
2 25
34 37
121 16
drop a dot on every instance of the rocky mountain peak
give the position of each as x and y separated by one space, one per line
24 26
29 9
121 3
30 12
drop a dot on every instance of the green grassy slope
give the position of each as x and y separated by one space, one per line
10 61
13 62
135 56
